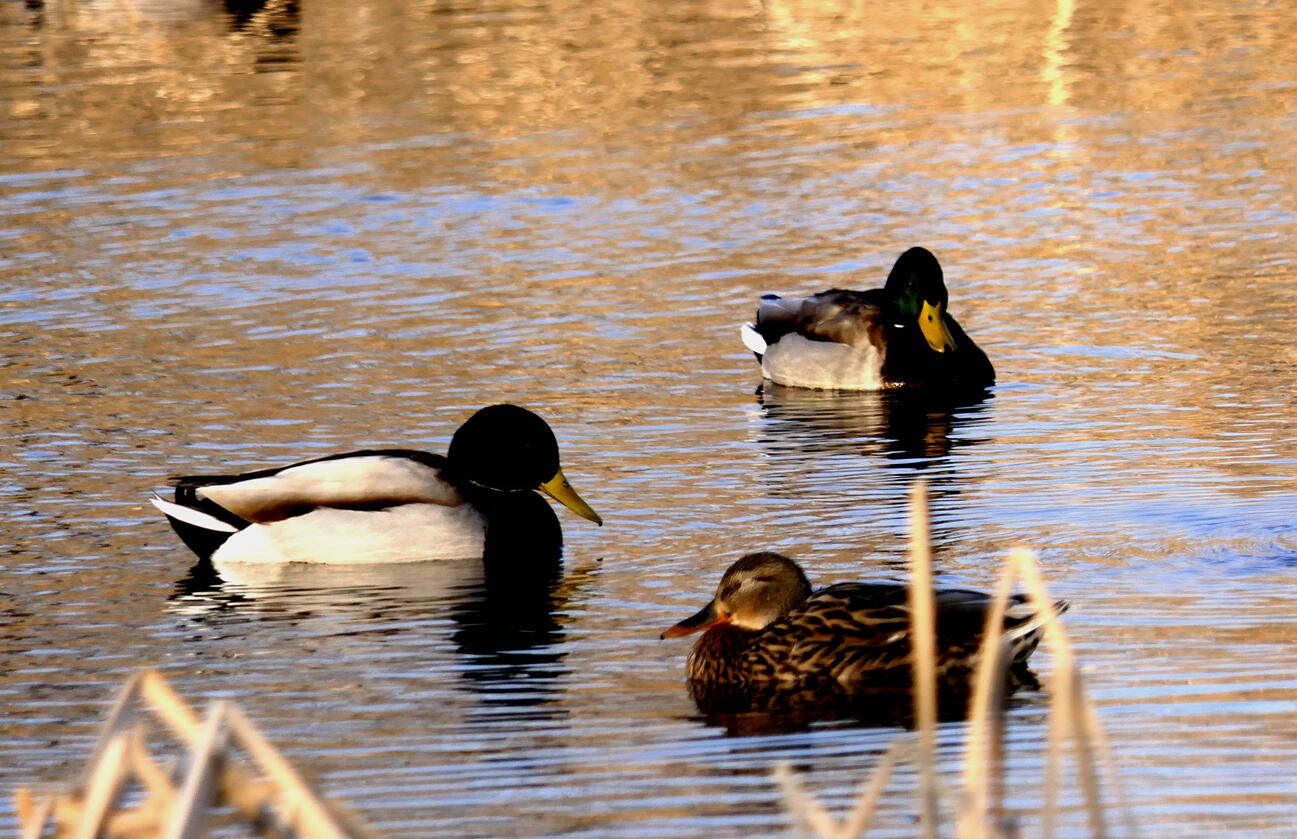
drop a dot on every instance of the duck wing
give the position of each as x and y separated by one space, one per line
840 635
860 634
854 318
371 479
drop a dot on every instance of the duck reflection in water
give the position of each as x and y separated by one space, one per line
914 428
508 633
271 18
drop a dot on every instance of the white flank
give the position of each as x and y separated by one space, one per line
795 361
408 533
752 338
197 518
418 580
350 480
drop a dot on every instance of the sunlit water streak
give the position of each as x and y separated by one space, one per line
233 241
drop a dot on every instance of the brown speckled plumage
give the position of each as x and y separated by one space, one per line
835 645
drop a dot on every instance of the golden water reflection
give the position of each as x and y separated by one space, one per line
241 234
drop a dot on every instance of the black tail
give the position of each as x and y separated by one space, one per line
198 539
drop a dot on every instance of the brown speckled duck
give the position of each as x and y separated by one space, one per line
766 636
897 336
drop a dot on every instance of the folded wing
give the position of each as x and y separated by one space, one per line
843 317
357 481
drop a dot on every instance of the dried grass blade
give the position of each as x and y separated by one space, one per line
1055 747
809 815
170 707
984 760
301 808
32 817
1086 771
240 790
1108 765
1065 702
189 816
867 801
107 777
117 717
923 656
151 775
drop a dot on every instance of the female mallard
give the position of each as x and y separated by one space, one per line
767 636
381 505
894 337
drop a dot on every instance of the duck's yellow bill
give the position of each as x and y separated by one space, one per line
561 491
932 320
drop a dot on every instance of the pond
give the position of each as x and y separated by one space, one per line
241 235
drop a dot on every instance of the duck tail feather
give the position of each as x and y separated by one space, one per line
191 517
202 533
1024 633
752 339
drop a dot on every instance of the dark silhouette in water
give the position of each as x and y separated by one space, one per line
508 631
913 426
277 18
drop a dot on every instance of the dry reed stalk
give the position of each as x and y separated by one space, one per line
1108 764
1067 693
107 778
32 816
809 815
867 799
281 806
117 718
923 656
189 817
982 810
1071 712
248 796
306 813
1055 746
155 780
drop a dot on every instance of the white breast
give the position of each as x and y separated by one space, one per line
408 533
795 361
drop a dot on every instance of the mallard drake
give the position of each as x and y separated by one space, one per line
766 634
379 505
897 336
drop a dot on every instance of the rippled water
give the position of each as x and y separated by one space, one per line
234 237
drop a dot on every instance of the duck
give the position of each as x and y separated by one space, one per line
769 639
897 336
378 505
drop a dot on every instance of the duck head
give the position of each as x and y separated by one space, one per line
508 449
756 591
918 289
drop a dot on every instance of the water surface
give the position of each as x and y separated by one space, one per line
233 239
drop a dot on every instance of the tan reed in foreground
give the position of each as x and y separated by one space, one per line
276 804
1072 719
